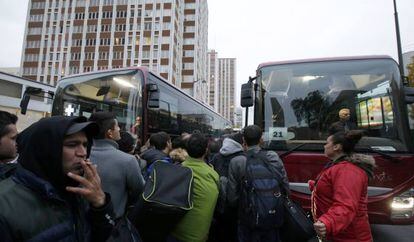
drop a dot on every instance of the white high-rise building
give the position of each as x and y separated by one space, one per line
194 71
65 37
212 73
226 87
221 74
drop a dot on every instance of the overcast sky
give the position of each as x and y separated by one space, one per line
270 30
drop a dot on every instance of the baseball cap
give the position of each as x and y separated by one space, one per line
90 128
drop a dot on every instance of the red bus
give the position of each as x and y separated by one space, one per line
295 102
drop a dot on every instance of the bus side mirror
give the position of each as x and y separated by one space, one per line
153 95
26 97
24 103
246 95
409 95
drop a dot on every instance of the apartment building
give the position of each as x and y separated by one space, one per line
194 72
212 73
226 87
65 37
221 74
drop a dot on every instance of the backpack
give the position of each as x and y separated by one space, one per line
150 167
221 163
166 198
261 200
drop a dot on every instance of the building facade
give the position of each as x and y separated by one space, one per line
221 73
65 37
212 73
226 87
11 93
194 72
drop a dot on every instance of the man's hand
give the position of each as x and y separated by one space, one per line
90 185
320 228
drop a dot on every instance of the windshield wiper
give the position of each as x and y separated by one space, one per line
291 150
383 154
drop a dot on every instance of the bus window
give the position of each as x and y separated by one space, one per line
119 93
302 100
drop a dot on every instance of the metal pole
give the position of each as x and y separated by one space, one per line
246 116
397 30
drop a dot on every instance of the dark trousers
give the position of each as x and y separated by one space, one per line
246 234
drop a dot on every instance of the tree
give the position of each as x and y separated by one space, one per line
410 68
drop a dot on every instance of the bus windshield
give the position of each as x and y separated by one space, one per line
302 101
119 92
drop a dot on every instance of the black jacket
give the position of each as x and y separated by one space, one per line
33 202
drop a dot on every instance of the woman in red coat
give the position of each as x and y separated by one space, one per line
339 194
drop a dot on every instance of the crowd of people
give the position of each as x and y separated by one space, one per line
75 179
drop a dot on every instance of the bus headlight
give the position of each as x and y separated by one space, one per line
403 205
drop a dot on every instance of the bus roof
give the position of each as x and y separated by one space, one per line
343 58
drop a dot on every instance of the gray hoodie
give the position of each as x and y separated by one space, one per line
230 147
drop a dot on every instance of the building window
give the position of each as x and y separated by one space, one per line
38 5
79 15
108 2
87 68
103 55
106 28
107 15
119 55
188 53
120 27
73 70
147 26
75 56
77 28
34 31
145 54
89 55
90 42
119 41
33 44
105 41
121 14
92 29
93 15
36 17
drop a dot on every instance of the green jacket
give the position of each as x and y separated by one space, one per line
195 224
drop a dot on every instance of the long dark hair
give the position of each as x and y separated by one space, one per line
347 139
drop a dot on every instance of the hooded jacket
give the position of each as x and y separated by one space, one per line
339 198
34 204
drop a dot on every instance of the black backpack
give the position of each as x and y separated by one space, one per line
221 163
261 200
166 198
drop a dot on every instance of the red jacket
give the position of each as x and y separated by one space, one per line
339 200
